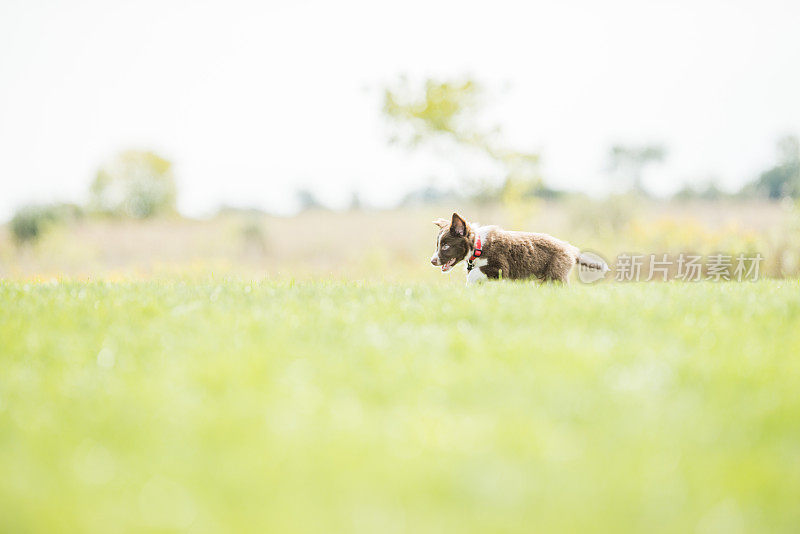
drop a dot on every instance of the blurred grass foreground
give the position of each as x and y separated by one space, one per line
359 407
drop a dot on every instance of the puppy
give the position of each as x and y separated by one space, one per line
492 252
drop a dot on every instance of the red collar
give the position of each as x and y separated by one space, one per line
477 252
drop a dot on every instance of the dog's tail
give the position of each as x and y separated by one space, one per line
592 261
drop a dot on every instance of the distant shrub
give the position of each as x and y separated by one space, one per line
254 236
26 225
709 192
30 222
782 180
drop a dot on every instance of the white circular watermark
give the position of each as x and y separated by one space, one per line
591 268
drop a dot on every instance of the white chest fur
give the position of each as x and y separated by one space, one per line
475 276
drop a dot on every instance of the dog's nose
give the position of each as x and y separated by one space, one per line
434 260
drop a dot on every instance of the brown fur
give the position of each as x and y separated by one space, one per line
512 255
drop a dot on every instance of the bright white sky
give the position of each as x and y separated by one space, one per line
254 99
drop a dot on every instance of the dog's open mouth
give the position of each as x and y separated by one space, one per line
447 266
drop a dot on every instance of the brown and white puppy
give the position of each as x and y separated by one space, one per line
513 255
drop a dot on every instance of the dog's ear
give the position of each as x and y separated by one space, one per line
458 225
441 223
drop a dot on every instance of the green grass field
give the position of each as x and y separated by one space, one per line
344 407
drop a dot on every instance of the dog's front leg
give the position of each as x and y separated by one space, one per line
475 276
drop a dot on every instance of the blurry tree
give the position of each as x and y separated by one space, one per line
307 200
782 180
443 107
448 110
710 191
628 163
355 202
135 183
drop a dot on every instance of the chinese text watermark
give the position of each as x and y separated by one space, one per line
682 267
687 267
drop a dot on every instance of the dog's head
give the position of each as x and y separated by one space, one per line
453 242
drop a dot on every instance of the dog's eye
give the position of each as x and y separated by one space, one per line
445 247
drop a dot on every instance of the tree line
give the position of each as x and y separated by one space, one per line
437 111
140 184
135 184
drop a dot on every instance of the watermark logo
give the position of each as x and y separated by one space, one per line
687 267
589 275
682 267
